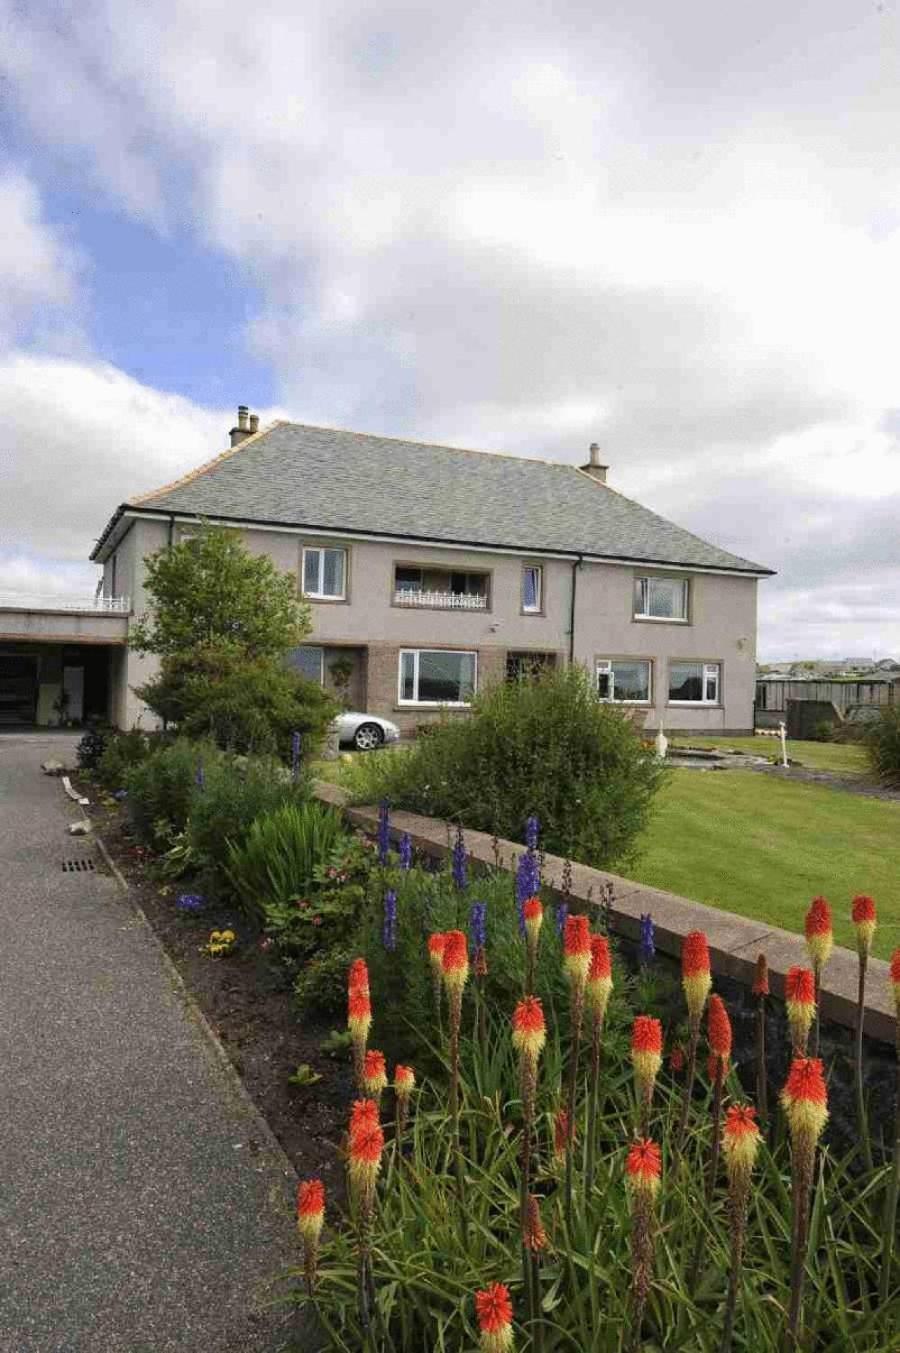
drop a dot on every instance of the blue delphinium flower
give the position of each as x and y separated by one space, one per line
295 757
532 831
460 873
647 951
406 851
562 912
384 831
389 932
528 883
200 777
478 925
190 902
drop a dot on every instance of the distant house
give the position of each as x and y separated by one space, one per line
432 571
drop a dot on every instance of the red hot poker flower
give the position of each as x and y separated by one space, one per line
436 944
696 977
895 978
761 977
535 1237
494 1311
643 1168
577 950
819 931
533 915
529 1028
805 1100
364 1111
740 1141
359 975
366 1146
404 1081
800 999
718 1027
455 960
646 1050
310 1210
599 978
374 1073
359 1014
864 919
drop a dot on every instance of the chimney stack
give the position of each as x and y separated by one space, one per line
594 468
244 425
254 423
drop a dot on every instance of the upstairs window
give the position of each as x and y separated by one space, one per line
694 683
324 573
661 599
532 589
621 680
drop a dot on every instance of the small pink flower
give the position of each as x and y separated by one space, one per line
317 920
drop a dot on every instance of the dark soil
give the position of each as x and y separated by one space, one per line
850 784
248 1001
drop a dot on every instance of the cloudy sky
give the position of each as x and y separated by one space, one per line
674 230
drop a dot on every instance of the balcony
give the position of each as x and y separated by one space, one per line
440 601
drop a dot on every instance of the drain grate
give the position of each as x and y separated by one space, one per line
84 865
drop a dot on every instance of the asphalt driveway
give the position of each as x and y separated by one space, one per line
143 1206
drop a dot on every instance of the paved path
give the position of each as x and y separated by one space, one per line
142 1207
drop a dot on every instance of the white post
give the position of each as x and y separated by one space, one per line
783 734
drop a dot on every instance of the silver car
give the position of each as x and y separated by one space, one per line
365 731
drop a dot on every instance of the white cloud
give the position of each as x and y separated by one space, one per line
530 228
37 266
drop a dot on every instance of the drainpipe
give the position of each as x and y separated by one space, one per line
576 565
171 530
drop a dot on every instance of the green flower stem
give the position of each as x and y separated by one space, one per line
738 1194
862 1117
577 1020
893 1192
693 1039
803 1175
762 1082
817 979
593 1104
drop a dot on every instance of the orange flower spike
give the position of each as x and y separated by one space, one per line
359 976
740 1141
404 1081
800 999
535 1237
436 944
865 921
895 978
363 1112
696 977
374 1073
359 1014
310 1211
366 1146
819 931
529 1029
533 914
805 1100
718 1028
455 960
577 950
761 977
643 1168
494 1311
599 978
646 1052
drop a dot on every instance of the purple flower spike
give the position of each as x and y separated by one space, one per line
389 932
478 925
460 873
406 851
384 831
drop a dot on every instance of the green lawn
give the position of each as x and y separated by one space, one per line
837 756
764 847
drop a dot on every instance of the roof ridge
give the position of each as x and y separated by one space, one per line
432 446
205 467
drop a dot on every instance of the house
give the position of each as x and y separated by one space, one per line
432 571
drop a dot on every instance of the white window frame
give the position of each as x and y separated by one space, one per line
319 595
649 578
707 670
433 704
607 666
538 607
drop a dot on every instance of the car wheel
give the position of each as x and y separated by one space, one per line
367 737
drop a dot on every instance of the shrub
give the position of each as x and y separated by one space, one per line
545 746
321 984
281 856
883 745
121 752
161 789
235 793
91 748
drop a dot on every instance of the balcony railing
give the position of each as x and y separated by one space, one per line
441 601
42 601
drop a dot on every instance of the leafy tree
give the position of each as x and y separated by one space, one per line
208 590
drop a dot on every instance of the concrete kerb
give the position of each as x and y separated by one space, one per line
734 941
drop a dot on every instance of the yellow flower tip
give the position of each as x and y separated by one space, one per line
577 966
696 990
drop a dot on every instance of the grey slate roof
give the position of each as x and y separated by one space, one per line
333 480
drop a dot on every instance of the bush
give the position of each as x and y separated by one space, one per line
823 731
282 855
883 746
236 791
91 748
162 789
545 746
121 752
321 985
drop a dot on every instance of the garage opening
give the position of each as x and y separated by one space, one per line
18 689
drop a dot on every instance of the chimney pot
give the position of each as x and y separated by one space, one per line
594 468
237 434
254 423
243 411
